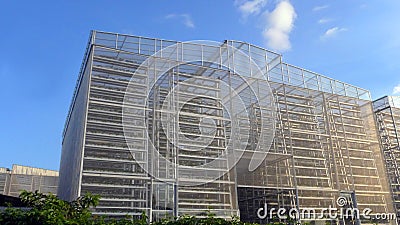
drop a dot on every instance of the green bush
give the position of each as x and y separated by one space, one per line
49 210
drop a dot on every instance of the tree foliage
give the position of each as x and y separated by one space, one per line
49 210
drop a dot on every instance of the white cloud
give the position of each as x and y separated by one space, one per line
250 7
170 16
333 32
279 24
186 19
324 20
319 8
396 90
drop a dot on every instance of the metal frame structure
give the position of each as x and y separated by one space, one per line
325 142
19 178
387 113
5 174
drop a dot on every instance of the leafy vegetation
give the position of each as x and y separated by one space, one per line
49 210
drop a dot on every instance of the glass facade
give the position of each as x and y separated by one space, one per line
125 141
387 112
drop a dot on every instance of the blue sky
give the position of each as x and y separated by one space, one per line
42 44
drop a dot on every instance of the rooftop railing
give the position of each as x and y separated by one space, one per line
268 61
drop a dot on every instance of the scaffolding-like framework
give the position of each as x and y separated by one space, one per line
325 142
19 178
387 112
5 174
